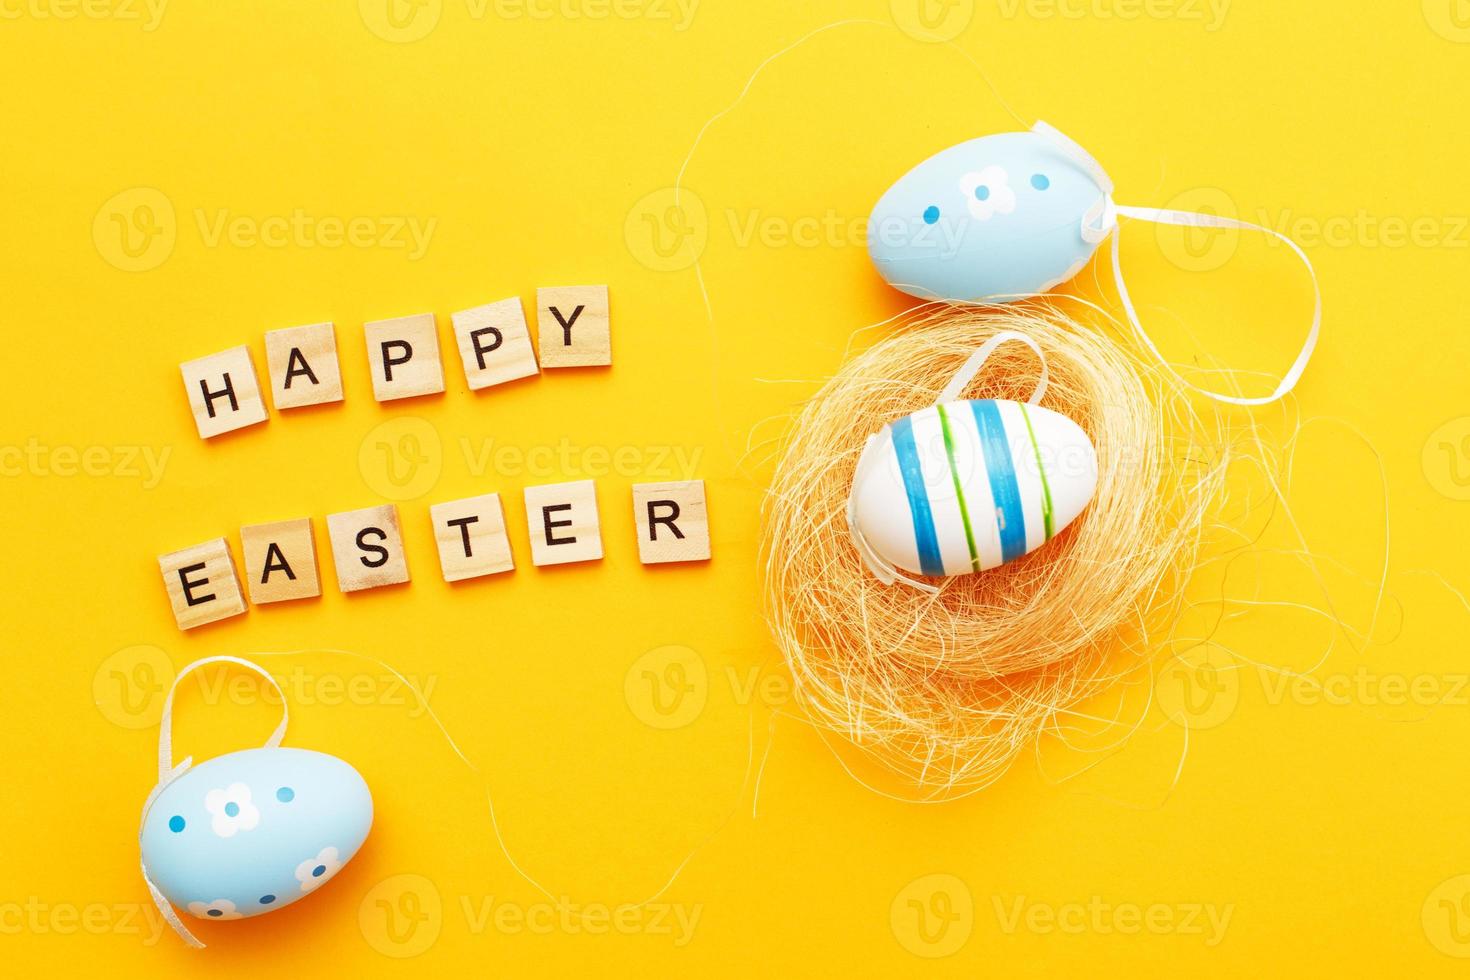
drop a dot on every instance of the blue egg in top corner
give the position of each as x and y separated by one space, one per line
994 218
253 831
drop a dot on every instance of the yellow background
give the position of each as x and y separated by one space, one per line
1329 827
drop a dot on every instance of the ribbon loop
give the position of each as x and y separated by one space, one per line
166 770
1101 220
976 361
1192 219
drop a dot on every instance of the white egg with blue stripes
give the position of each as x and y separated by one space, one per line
966 486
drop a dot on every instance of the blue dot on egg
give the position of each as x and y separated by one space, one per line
267 899
319 870
1040 181
216 912
176 823
285 794
931 215
982 193
232 809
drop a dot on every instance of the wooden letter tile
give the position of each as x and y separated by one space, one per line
572 326
367 548
280 561
223 393
201 584
494 343
673 522
302 362
563 524
403 354
471 537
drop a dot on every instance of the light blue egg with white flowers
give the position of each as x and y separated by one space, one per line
250 832
994 218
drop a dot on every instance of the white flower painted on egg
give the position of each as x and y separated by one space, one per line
988 193
231 810
315 870
220 908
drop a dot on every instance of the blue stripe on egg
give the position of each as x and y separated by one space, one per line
913 483
1001 469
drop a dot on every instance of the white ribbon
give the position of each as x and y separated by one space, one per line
1102 220
883 569
168 772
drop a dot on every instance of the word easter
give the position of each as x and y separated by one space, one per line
494 345
367 546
